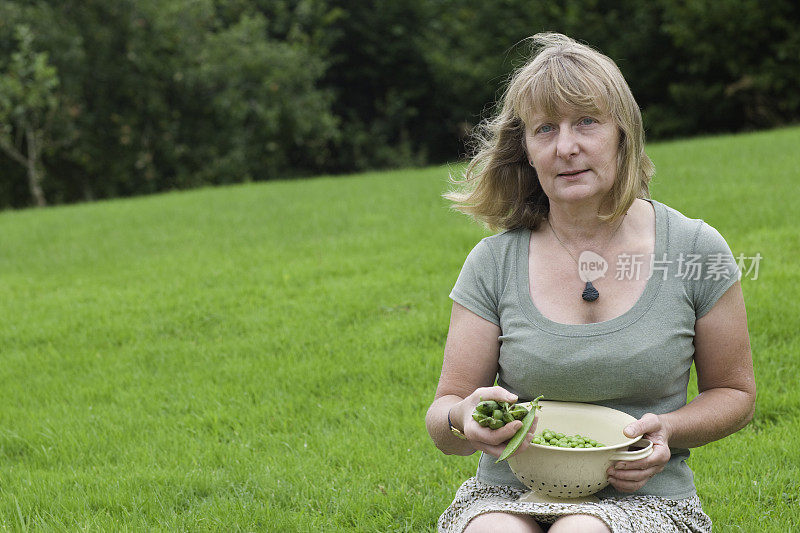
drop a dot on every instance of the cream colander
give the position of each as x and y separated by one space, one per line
574 474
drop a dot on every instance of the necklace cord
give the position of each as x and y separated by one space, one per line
567 249
590 292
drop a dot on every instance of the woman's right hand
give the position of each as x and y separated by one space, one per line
491 441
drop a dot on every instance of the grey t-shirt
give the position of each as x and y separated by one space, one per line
637 362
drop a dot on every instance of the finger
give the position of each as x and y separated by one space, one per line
496 393
625 486
647 424
479 434
501 435
636 467
497 449
633 475
526 442
493 450
657 459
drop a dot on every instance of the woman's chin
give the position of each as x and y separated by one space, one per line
577 193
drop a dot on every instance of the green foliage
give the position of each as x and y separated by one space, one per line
382 84
741 63
27 87
170 95
28 102
165 94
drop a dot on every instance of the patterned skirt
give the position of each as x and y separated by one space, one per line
633 514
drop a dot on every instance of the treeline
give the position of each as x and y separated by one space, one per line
101 99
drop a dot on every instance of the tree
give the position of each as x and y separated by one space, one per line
28 102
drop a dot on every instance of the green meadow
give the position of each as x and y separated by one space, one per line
261 357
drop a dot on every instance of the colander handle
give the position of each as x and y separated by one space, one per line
636 454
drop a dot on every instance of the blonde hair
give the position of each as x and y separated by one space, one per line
499 187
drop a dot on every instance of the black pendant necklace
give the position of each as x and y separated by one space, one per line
590 293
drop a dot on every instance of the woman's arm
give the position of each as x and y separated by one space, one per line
725 377
726 399
470 365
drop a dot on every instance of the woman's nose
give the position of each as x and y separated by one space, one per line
566 144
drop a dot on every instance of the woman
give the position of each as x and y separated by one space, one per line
562 169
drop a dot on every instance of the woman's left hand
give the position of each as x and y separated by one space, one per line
629 476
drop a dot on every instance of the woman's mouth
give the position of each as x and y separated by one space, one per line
572 174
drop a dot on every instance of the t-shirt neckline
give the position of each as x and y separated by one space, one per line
630 316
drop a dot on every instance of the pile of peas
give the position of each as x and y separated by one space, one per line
494 415
552 438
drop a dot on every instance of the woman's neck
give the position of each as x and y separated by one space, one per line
581 226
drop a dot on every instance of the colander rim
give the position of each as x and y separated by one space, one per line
624 444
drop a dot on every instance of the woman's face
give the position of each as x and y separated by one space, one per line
575 155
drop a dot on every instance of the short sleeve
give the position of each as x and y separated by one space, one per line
477 285
719 269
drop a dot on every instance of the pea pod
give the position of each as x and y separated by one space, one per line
495 423
516 440
518 412
485 408
490 406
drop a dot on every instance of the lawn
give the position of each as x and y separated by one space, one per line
261 357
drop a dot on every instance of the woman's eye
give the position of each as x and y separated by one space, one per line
546 128
587 121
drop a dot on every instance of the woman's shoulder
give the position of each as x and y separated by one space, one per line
506 242
499 249
682 230
690 234
675 217
507 237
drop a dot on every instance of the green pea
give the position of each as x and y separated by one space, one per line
561 440
495 423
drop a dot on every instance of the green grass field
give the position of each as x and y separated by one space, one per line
261 357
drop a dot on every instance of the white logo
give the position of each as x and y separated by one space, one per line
591 266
